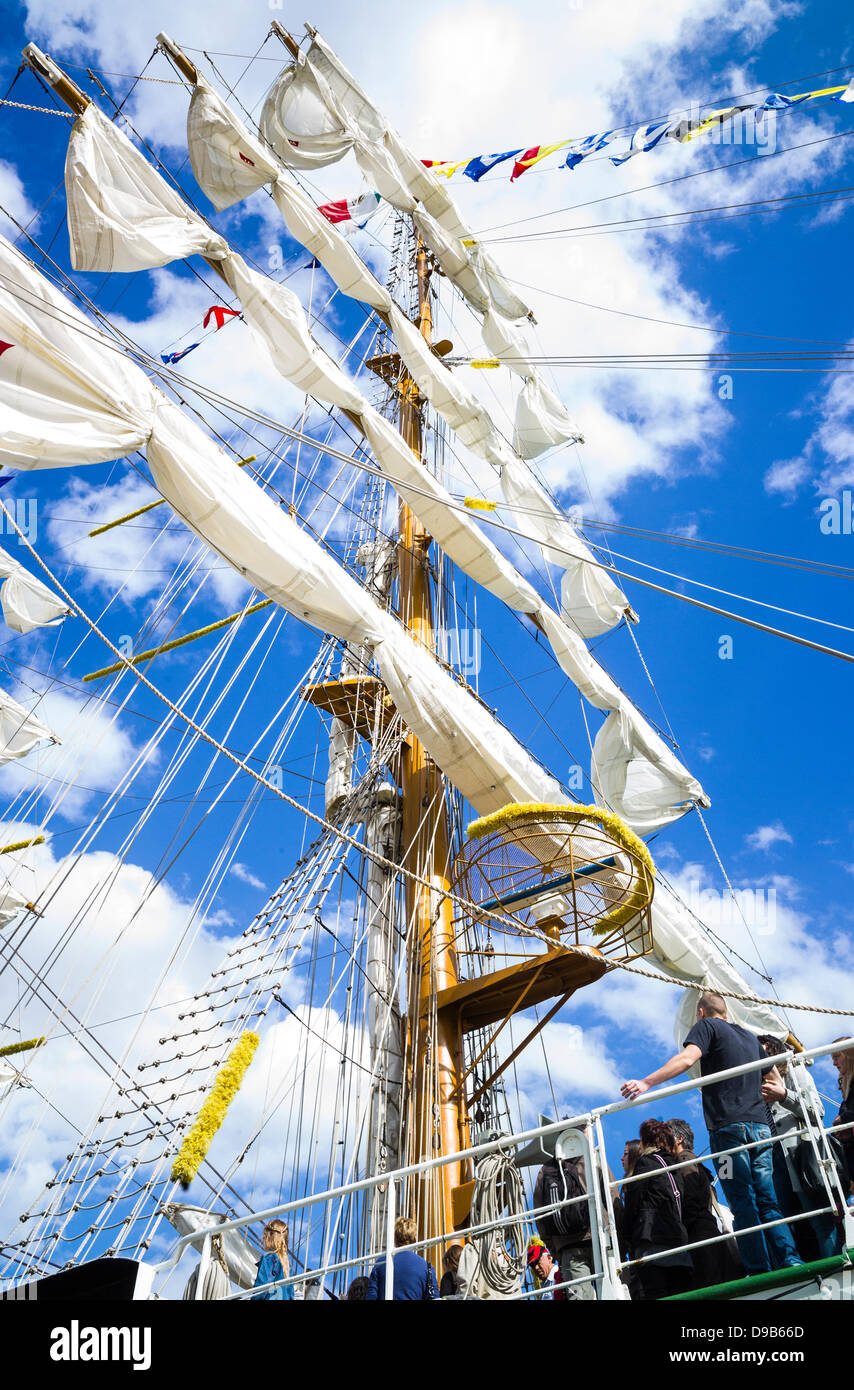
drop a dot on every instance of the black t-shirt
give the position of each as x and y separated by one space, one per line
737 1101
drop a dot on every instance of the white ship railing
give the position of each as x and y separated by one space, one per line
607 1262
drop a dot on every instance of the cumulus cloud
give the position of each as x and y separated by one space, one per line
126 929
767 835
826 461
246 875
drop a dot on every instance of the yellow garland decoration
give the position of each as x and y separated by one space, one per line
479 504
22 1046
626 838
195 1146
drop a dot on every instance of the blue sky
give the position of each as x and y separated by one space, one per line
767 730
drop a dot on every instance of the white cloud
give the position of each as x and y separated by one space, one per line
14 199
126 928
95 752
827 458
767 835
246 875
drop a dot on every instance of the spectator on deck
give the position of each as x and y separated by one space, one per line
274 1263
414 1280
789 1109
713 1264
735 1114
450 1285
844 1063
631 1154
652 1208
545 1270
358 1290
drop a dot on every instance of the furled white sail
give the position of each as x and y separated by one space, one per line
590 600
296 122
309 227
239 521
276 316
26 602
683 950
20 730
508 343
121 214
637 775
542 420
67 394
229 163
12 903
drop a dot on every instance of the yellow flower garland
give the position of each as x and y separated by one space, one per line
21 1046
195 1146
642 888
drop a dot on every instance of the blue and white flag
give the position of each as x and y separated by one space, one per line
482 163
580 149
645 138
776 101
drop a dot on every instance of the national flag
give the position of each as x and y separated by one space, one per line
170 358
219 313
482 163
351 209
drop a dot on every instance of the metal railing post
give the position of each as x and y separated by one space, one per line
594 1207
612 1248
836 1194
390 1206
204 1264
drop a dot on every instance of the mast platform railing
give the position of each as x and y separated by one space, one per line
607 1263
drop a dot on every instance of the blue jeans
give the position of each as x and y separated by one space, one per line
826 1235
748 1182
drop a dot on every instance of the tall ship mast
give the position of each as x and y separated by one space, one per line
444 894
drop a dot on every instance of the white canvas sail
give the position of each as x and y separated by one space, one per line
229 163
121 214
67 394
684 951
20 730
26 602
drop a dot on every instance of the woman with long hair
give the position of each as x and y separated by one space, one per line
652 1203
274 1263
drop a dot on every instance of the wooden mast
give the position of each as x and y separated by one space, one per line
437 1111
437 1106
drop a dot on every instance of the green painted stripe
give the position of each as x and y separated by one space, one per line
758 1283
